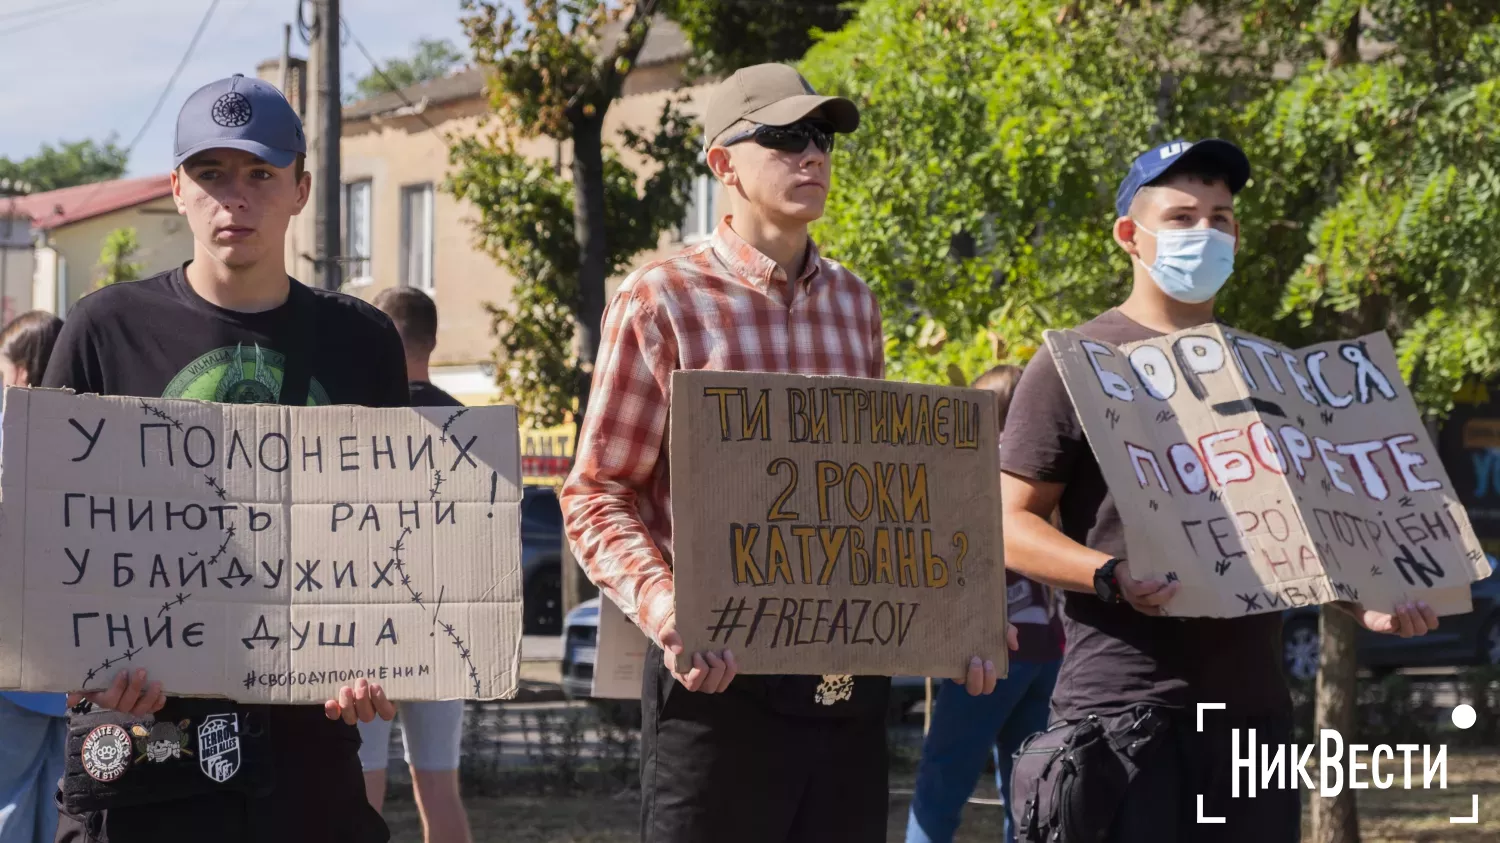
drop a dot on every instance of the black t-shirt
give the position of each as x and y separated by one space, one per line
424 394
157 337
1117 657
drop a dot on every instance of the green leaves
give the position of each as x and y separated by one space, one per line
547 80
116 262
431 59
1008 125
67 165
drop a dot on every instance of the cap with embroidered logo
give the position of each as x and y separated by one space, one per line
1220 155
240 113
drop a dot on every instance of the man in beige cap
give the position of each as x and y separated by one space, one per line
726 758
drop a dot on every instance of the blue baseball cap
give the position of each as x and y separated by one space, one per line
239 113
1219 155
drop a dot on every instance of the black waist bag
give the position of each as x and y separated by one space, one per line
1069 781
192 748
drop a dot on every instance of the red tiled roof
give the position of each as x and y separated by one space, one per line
57 208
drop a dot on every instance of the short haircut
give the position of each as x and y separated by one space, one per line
1002 381
415 316
1203 172
28 340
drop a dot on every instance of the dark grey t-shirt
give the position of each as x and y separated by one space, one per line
1117 657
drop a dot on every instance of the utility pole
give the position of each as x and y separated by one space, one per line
323 54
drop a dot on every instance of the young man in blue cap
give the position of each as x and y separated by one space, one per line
1124 662
232 326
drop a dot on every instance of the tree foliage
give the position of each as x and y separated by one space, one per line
977 197
555 73
729 34
431 58
67 165
117 262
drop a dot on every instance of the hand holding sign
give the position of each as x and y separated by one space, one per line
1149 595
362 701
706 672
1407 621
128 694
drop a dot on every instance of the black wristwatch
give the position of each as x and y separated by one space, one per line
1106 586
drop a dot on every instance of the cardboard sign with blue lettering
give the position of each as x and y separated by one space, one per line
1263 477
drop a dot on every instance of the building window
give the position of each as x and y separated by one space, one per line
357 232
701 218
416 236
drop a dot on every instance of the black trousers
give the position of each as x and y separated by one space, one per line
1161 803
724 768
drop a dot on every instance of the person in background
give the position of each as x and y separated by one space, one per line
967 729
33 727
430 731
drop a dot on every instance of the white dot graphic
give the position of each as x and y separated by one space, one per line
1464 716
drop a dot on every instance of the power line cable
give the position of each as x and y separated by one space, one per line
166 91
396 89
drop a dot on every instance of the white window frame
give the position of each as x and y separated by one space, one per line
417 272
701 216
358 271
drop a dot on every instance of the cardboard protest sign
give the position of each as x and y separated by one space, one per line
259 552
620 657
1262 477
828 525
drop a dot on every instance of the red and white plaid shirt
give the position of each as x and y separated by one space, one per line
719 305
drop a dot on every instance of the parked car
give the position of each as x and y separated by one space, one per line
541 561
1469 639
581 647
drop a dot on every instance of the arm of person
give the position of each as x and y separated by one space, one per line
618 450
1043 441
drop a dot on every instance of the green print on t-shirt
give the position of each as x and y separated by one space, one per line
238 375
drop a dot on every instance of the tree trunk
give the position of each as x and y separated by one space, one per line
1336 820
593 271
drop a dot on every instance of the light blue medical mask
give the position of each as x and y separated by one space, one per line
1192 264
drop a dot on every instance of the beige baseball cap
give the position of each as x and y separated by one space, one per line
773 95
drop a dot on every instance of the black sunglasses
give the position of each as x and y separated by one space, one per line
791 138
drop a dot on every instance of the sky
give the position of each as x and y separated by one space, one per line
75 69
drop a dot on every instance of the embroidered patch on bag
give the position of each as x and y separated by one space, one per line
106 752
162 742
835 688
219 746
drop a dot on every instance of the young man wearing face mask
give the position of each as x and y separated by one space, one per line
725 757
1123 660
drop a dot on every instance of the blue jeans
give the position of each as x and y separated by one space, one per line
965 731
31 762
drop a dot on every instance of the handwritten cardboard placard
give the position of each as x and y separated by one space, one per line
1263 477
828 525
620 657
259 552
